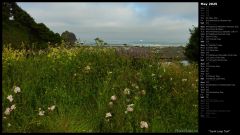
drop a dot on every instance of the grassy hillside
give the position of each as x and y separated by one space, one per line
15 35
19 27
96 90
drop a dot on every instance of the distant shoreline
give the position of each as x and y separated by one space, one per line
165 52
134 45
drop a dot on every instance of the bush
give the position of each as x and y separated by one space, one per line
192 48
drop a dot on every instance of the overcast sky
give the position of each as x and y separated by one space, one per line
118 21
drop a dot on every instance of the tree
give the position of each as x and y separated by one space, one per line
192 48
69 37
23 28
99 42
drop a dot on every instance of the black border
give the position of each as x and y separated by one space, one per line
201 129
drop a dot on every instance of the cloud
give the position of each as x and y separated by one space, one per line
118 21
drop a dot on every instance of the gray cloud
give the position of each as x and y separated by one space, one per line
118 21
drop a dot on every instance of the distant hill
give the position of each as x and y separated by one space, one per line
19 27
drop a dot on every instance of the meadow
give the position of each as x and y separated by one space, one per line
94 89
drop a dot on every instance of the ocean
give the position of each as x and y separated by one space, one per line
144 43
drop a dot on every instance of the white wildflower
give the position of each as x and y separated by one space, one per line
126 91
114 97
153 74
9 124
164 70
10 98
51 108
130 107
4 117
13 107
41 113
75 74
194 105
143 124
109 72
135 85
87 68
17 89
171 79
184 80
143 92
108 115
7 111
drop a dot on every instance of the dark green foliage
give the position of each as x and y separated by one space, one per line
69 37
23 29
99 42
192 49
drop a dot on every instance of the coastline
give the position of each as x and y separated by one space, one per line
164 52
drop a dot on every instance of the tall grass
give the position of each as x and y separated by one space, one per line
80 82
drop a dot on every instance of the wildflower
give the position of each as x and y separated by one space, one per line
143 92
130 105
143 124
17 89
194 105
113 98
126 112
87 68
126 91
13 107
75 74
41 113
10 98
4 117
51 108
40 52
7 111
164 70
109 72
184 80
130 108
150 65
171 79
9 124
110 104
153 74
135 85
108 115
